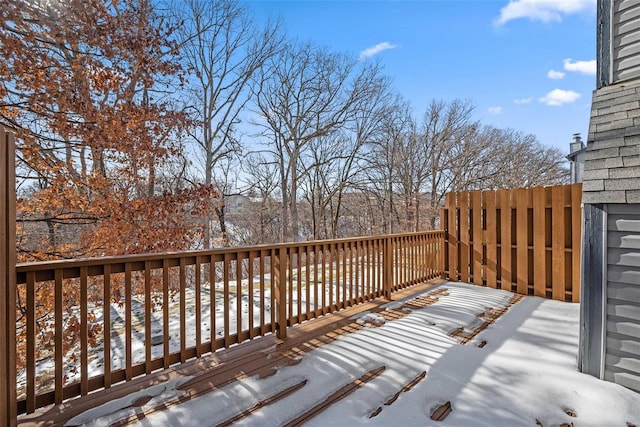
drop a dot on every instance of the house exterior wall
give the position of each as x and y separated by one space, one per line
603 44
612 160
610 314
622 322
625 64
618 42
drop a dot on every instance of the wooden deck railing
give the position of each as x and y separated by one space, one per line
116 318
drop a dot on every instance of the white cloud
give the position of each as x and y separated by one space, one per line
374 50
555 75
542 10
559 97
523 100
495 110
584 67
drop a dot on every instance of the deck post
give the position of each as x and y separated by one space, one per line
442 256
387 255
280 271
8 404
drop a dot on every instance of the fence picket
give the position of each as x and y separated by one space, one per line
491 234
504 197
475 213
463 203
558 242
539 242
452 236
522 242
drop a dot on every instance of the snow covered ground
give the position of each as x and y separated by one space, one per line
525 375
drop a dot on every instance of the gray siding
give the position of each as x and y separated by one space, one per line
610 309
626 40
622 354
603 44
612 159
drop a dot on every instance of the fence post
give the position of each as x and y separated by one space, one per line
453 264
8 404
387 256
280 276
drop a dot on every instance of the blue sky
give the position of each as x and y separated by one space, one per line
525 64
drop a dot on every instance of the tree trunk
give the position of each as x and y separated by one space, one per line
220 212
293 202
52 234
284 226
151 190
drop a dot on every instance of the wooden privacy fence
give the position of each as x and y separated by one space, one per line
523 240
116 318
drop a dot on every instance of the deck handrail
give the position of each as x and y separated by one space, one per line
22 268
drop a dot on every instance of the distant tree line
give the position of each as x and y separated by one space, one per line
140 122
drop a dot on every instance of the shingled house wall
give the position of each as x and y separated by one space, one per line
610 282
612 161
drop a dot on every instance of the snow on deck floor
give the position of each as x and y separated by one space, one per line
526 373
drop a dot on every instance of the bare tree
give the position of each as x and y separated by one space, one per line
519 160
383 163
261 221
410 168
223 49
225 180
333 164
472 159
445 126
307 93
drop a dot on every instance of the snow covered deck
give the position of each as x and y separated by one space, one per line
463 354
